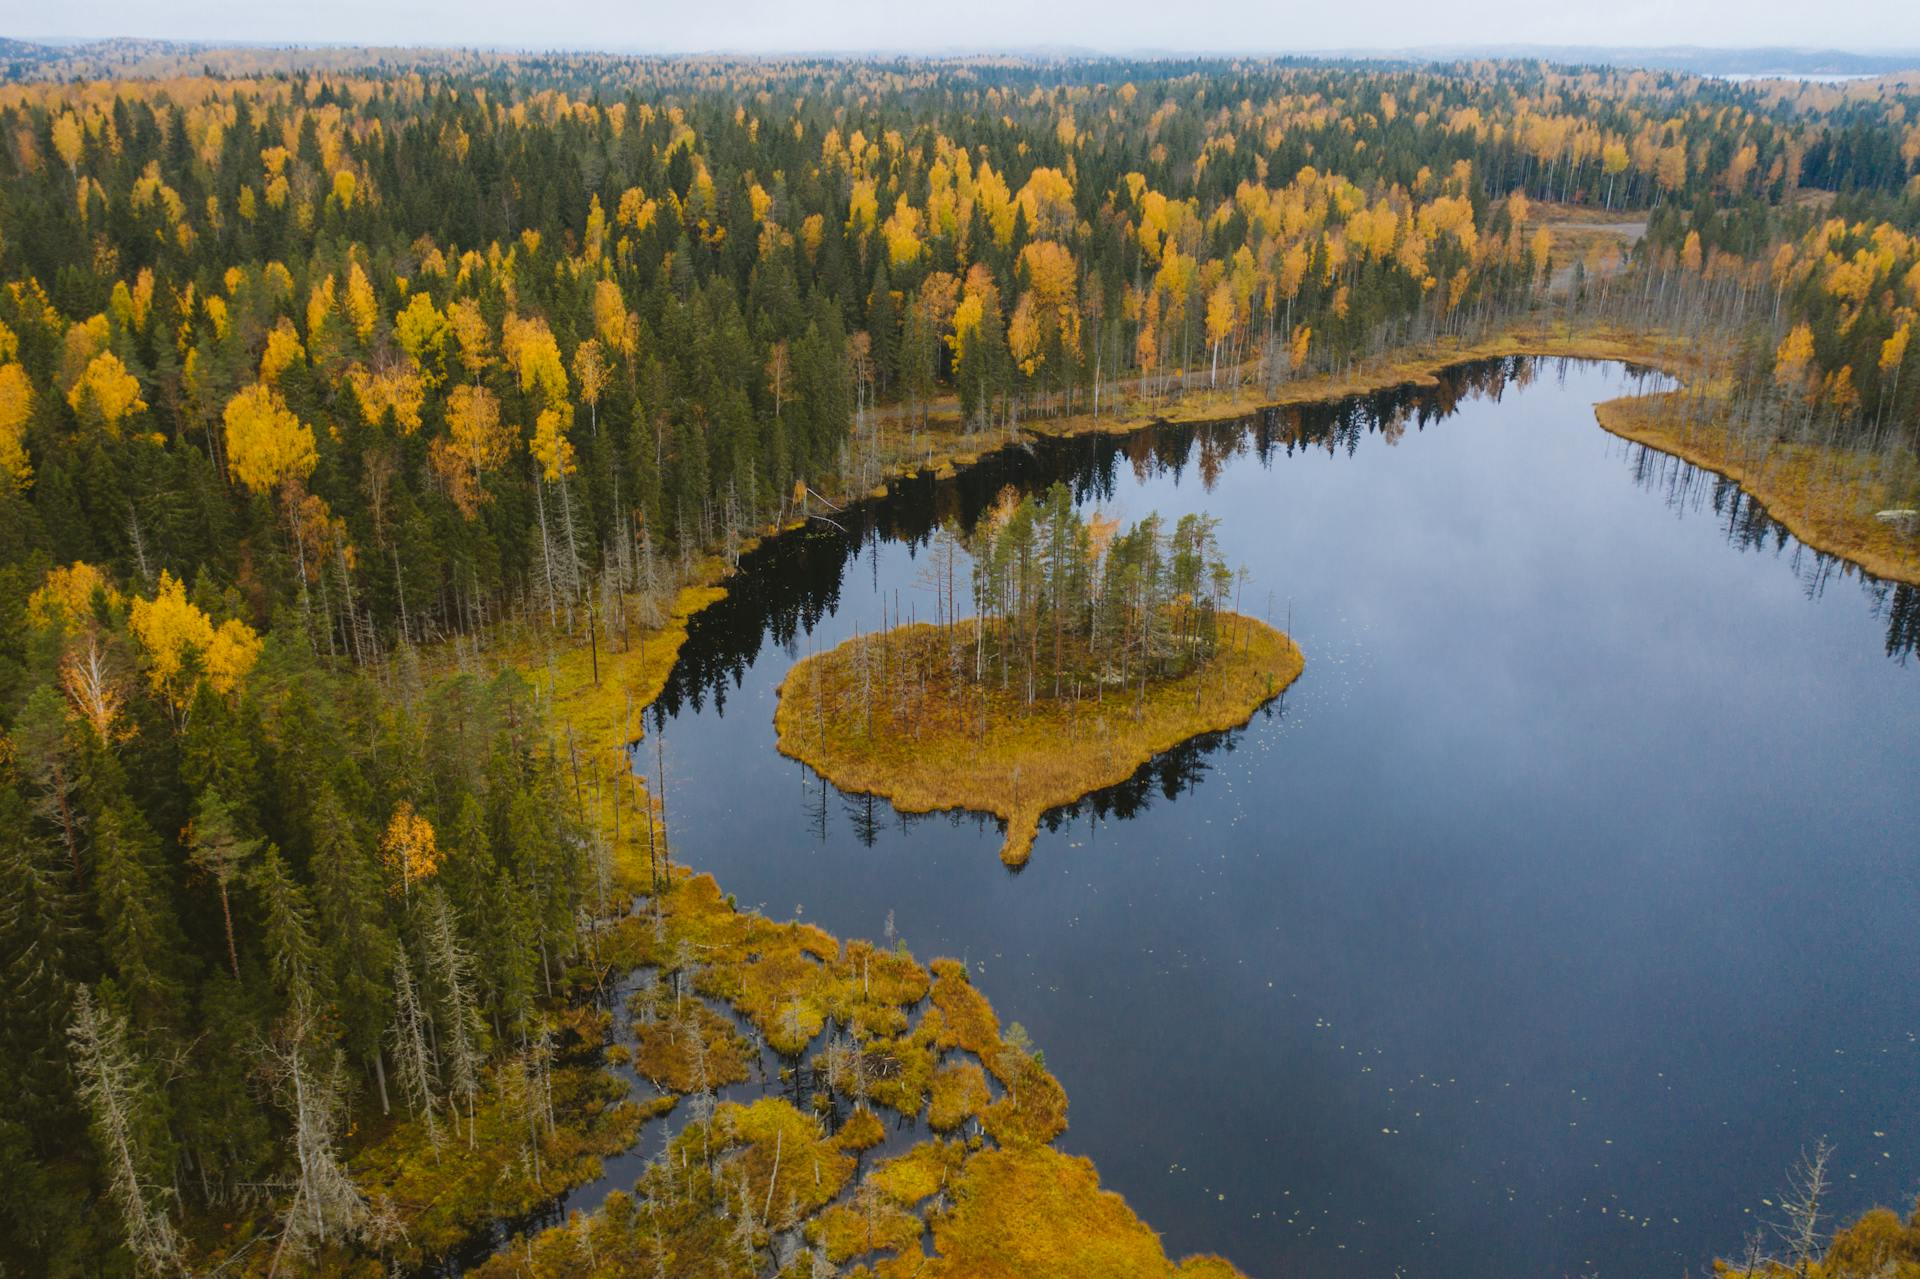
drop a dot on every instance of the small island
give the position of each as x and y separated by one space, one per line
1089 652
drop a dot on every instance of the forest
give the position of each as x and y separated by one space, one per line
320 373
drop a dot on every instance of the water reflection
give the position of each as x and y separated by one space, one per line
787 586
1691 490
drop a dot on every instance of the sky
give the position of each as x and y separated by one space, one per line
1251 26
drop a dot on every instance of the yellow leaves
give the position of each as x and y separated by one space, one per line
1740 168
590 370
398 389
1791 358
149 190
635 211
1613 157
345 188
1543 247
902 233
475 444
610 319
65 600
1050 272
994 200
1372 231
966 322
234 650
1023 336
812 231
421 330
1893 352
1047 198
216 309
283 351
1690 252
319 306
1220 313
863 208
363 309
472 334
759 201
409 848
1671 167
550 446
266 442
106 394
183 646
83 340
534 356
1297 349
68 141
596 231
16 409
1293 270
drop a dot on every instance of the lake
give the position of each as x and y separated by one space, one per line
1565 898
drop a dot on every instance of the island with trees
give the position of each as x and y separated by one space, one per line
1088 652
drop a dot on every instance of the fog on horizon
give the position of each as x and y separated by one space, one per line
1114 26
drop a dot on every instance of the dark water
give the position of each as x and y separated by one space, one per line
1566 897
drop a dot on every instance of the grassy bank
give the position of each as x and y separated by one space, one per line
1828 498
949 742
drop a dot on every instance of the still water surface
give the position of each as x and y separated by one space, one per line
1562 901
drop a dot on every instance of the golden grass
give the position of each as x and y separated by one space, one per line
959 1094
665 1043
870 1224
920 1173
1031 1212
1031 758
1827 497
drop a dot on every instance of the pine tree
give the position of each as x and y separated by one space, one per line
141 935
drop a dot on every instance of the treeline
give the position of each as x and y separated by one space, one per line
425 347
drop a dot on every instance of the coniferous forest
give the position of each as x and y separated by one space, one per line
328 378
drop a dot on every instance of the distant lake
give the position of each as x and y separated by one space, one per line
1567 896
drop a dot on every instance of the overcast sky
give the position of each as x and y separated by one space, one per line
1107 25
